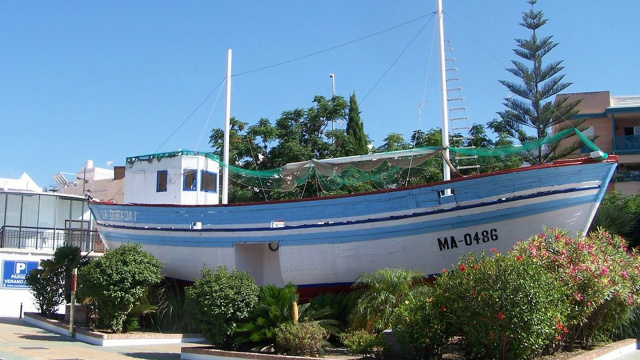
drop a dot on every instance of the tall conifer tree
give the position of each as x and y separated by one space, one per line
355 128
528 107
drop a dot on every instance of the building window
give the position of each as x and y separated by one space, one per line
161 181
209 181
190 180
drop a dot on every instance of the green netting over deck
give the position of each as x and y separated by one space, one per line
381 169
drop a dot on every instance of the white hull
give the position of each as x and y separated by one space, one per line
331 241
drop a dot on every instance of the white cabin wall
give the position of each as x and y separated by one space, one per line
141 181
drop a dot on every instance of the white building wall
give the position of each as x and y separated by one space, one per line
11 299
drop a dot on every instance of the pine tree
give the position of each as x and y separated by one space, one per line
355 128
539 82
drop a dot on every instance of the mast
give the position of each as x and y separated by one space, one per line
443 91
227 121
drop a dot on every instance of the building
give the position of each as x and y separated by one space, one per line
33 224
615 122
94 182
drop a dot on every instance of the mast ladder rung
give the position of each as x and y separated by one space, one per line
450 59
461 128
469 167
451 69
473 157
456 99
459 118
454 89
453 79
455 109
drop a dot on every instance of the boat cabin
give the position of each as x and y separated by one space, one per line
179 178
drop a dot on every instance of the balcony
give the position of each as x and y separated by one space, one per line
627 143
32 238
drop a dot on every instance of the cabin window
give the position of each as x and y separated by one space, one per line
209 181
190 180
161 181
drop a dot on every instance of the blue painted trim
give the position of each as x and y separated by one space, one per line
361 234
166 180
194 184
366 221
215 176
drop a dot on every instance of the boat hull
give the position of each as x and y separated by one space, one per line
329 241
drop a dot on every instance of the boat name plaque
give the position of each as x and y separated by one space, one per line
119 215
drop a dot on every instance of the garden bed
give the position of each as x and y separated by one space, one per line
89 336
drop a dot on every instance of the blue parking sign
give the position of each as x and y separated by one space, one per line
14 273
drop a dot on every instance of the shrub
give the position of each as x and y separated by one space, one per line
273 308
361 342
51 283
339 307
381 293
219 300
599 272
47 287
418 324
301 338
118 281
504 306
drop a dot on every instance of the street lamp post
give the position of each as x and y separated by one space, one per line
333 92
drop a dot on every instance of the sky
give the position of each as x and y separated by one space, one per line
104 80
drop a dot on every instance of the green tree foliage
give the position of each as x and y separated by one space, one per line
47 287
619 214
219 300
118 281
54 277
355 129
528 109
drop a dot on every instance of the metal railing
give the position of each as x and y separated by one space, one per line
24 237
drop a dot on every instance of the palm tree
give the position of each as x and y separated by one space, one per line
381 293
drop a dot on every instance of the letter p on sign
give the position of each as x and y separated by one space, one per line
21 267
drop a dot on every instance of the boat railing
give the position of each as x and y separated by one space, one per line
39 238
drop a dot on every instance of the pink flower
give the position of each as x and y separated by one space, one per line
462 267
604 270
624 274
518 257
578 296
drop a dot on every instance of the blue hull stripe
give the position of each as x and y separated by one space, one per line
352 235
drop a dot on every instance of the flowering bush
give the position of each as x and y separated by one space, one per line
503 306
418 324
600 275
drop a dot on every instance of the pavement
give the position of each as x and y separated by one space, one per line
21 341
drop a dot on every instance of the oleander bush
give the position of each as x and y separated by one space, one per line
504 306
600 273
419 324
